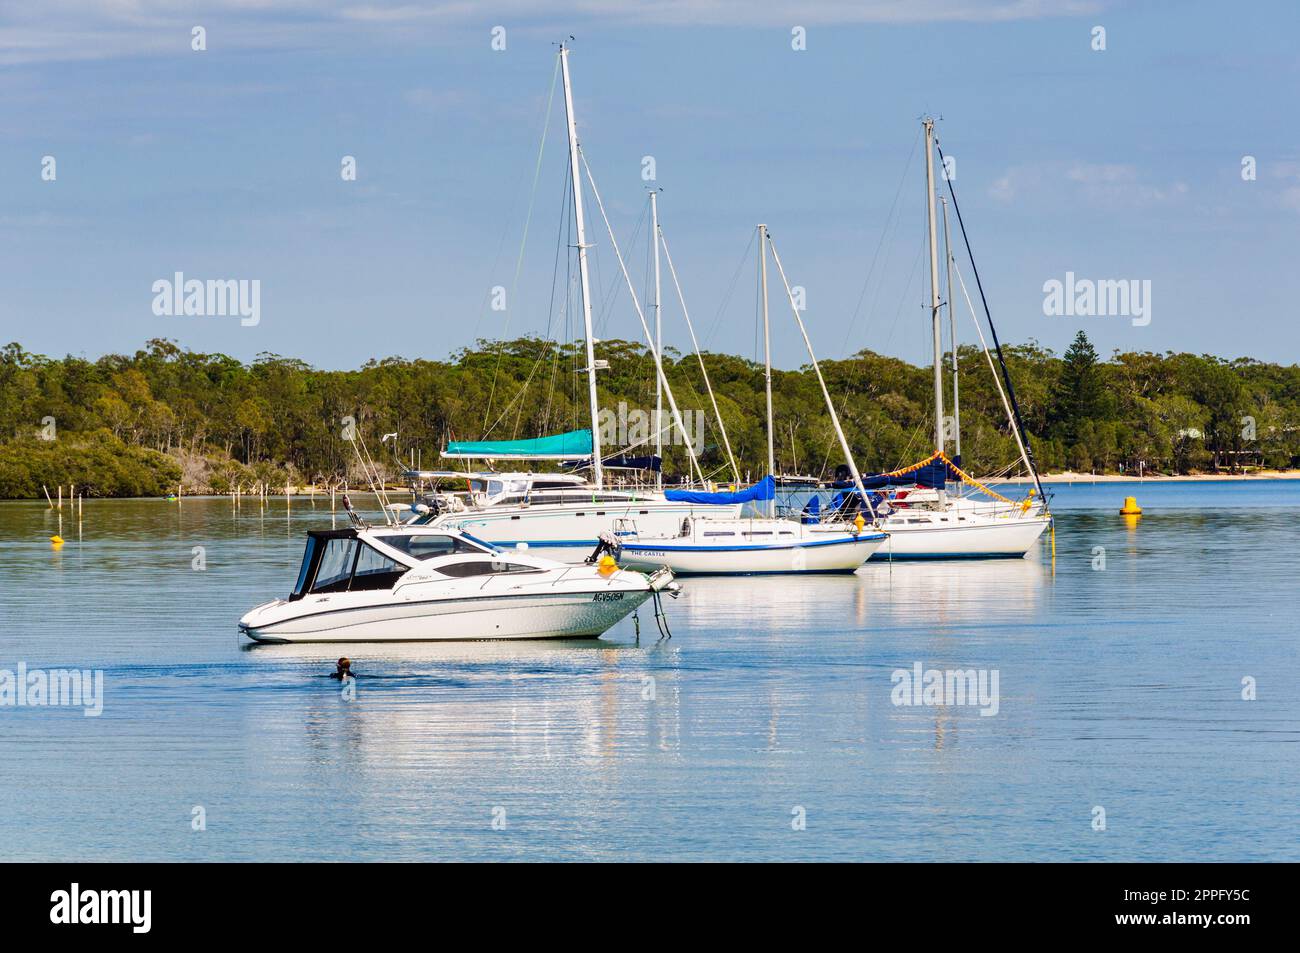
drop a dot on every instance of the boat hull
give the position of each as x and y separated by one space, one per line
557 616
835 555
1009 538
564 526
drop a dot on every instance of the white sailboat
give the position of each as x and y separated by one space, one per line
715 546
926 520
564 510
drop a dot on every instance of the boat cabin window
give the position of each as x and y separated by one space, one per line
490 487
344 564
335 568
374 570
427 547
544 484
484 567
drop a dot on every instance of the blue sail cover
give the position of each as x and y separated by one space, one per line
932 476
764 489
619 461
562 446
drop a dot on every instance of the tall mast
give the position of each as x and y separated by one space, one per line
952 336
830 404
767 352
659 342
934 285
579 225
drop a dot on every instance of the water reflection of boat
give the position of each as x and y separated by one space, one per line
401 584
969 592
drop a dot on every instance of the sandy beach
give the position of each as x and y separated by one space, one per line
1070 477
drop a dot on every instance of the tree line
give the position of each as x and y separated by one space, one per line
140 424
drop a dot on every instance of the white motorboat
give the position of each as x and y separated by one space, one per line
749 547
416 584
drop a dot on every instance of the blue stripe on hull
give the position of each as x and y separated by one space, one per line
772 547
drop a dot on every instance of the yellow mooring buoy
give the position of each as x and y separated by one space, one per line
607 565
1130 507
57 541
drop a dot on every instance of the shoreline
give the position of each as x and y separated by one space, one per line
1069 478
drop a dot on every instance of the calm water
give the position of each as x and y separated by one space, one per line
1119 689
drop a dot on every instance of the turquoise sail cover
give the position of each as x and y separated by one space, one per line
576 443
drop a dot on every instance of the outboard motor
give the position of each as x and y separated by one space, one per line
606 543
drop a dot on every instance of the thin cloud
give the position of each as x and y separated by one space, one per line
66 30
1104 184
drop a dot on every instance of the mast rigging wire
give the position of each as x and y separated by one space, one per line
1006 375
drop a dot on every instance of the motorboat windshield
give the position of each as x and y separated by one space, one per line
339 561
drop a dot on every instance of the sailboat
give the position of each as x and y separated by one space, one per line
710 545
565 509
923 517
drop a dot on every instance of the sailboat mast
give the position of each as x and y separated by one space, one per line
767 351
580 227
659 343
821 381
952 336
934 285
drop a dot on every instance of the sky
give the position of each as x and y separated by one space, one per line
1126 163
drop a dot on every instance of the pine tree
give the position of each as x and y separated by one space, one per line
1079 394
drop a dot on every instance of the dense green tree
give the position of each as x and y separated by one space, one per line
1079 396
138 423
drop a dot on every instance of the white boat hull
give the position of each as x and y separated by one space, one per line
1005 537
563 525
540 616
828 555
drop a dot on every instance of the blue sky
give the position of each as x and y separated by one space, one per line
1122 164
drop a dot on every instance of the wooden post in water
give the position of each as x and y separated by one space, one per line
47 495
